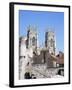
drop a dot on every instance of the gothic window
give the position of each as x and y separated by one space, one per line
33 41
51 42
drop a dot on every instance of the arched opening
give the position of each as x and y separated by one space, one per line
51 42
33 41
27 75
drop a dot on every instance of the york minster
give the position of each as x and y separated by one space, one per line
39 61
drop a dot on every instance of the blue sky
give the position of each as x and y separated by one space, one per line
43 20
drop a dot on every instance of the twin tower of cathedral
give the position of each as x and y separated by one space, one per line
32 39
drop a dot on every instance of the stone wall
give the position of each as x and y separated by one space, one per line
40 71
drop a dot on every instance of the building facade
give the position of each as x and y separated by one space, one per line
38 62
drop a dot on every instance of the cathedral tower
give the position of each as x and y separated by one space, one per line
50 41
31 38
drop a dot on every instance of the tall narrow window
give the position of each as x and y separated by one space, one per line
51 42
33 41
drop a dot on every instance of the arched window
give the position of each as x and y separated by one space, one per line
51 42
33 41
